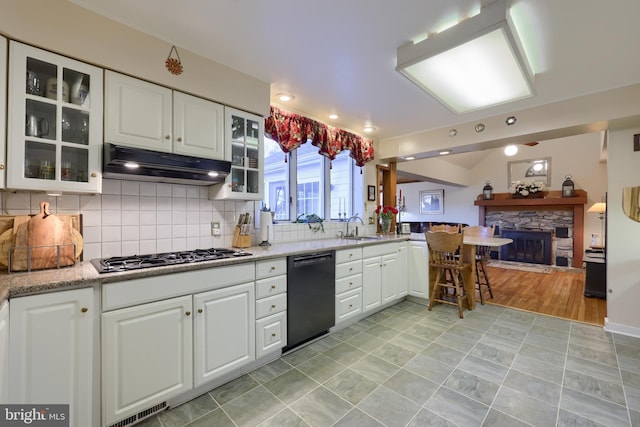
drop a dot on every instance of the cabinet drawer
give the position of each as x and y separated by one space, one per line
348 304
271 334
271 305
346 255
271 286
348 283
348 269
271 267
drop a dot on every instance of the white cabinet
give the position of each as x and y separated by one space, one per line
4 352
54 122
224 334
51 351
244 142
402 285
349 277
145 115
146 356
271 306
3 97
418 269
383 278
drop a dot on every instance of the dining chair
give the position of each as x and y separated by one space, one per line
442 258
483 255
445 227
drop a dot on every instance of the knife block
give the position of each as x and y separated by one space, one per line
239 240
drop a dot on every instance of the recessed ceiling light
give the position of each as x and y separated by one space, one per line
445 152
452 133
285 97
479 127
511 120
510 150
369 129
410 158
333 116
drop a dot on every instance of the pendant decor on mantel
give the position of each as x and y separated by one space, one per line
173 64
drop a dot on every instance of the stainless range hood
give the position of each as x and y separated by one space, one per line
138 164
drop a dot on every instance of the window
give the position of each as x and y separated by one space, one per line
306 185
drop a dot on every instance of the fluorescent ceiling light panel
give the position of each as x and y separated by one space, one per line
471 66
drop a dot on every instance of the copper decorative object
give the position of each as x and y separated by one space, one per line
174 65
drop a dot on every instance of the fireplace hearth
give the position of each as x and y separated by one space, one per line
530 246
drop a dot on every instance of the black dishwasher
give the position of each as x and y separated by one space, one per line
311 291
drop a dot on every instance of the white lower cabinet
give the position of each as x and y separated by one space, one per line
4 352
349 277
271 306
224 331
146 356
418 269
51 344
383 278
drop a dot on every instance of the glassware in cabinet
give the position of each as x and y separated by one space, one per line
55 122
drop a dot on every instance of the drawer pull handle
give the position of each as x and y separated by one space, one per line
272 268
273 306
273 334
350 255
273 286
350 305
350 283
350 269
187 313
84 309
200 310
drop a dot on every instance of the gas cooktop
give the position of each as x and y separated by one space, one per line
136 262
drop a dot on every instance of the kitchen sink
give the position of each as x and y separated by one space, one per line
362 238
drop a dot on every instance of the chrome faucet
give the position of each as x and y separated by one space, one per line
354 218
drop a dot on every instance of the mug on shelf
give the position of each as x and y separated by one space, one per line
33 83
36 126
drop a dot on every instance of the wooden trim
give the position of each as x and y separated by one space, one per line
551 200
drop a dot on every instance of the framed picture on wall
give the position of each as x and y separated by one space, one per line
432 202
371 193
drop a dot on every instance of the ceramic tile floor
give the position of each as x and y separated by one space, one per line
406 366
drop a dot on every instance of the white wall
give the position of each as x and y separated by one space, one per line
623 245
575 155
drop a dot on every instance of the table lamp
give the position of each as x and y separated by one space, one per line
600 208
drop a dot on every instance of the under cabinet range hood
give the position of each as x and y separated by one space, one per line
138 164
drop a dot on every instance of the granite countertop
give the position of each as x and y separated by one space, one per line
84 274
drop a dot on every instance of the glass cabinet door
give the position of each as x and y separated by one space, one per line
57 105
245 155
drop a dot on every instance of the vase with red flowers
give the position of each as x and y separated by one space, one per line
385 215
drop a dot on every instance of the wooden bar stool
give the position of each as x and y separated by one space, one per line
442 257
483 255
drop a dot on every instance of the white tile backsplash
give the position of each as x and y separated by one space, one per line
130 188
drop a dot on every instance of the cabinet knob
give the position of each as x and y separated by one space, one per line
179 139
84 309
273 306
350 255
187 313
350 284
200 310
273 334
167 137
272 268
350 305
1 167
273 286
350 269
94 175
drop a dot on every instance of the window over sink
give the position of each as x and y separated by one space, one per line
308 184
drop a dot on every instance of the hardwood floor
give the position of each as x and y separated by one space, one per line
559 294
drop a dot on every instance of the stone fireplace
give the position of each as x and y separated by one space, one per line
547 230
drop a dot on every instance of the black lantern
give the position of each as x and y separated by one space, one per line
487 191
568 188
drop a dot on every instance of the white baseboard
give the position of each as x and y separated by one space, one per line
621 329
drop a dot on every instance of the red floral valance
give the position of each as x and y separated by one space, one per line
292 130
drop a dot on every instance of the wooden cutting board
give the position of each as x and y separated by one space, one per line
42 232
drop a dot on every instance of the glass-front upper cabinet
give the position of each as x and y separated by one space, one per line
55 122
244 138
3 97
